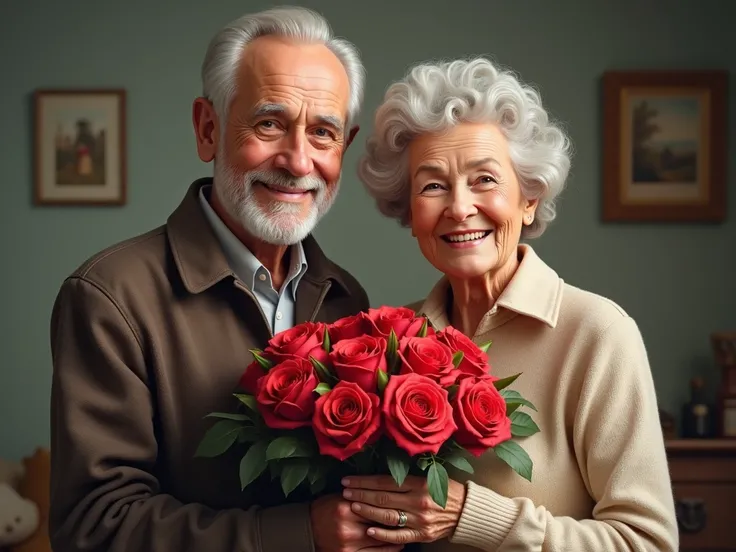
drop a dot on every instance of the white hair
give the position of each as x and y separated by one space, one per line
433 97
225 50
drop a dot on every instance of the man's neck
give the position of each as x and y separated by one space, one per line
274 258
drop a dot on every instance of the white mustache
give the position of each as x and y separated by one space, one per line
284 180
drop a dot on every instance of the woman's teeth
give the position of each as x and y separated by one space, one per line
471 236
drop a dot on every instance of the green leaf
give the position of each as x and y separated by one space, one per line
522 425
516 457
287 446
452 391
317 486
505 382
514 400
459 460
228 416
260 359
392 355
326 344
218 438
423 329
398 464
382 381
248 434
253 463
322 388
248 400
323 371
457 358
485 346
438 482
275 468
423 462
292 474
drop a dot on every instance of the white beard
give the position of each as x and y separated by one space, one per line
280 222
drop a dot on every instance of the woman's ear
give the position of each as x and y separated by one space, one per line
530 210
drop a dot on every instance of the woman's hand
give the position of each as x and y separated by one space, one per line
377 498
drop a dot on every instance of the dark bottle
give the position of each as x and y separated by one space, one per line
697 415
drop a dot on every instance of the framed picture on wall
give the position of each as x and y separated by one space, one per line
664 146
79 148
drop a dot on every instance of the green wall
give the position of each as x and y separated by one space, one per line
677 280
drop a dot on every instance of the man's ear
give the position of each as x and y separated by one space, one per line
206 128
351 136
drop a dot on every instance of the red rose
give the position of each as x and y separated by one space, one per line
359 359
403 321
428 357
349 327
346 419
417 414
480 414
474 362
249 379
286 394
301 341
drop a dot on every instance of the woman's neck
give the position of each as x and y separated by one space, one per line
472 299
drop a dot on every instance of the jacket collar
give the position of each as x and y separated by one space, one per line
199 256
534 291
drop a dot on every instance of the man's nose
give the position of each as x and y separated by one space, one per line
295 157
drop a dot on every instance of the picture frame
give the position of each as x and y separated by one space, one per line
665 146
80 147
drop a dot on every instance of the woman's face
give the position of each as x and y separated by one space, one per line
467 209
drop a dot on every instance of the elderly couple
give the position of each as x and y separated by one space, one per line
151 334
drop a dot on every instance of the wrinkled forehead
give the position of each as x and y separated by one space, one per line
459 149
294 75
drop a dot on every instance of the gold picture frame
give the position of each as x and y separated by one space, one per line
79 147
664 146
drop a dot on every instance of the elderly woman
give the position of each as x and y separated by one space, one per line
466 156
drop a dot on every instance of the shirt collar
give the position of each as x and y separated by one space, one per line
535 291
240 258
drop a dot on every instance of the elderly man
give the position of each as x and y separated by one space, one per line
151 334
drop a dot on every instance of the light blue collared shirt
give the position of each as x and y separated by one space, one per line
278 307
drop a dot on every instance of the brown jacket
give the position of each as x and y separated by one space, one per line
147 337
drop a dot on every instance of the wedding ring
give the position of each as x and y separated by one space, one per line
402 519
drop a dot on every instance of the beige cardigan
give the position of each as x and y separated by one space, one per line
600 481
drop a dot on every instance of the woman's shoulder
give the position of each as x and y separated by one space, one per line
590 310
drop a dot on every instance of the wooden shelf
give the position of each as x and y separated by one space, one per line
714 445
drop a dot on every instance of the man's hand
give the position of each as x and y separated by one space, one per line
336 528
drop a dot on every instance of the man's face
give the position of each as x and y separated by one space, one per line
278 160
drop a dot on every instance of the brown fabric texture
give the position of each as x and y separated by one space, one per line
147 337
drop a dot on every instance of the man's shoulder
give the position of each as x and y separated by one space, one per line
415 306
128 262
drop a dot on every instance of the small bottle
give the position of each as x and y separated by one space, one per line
697 414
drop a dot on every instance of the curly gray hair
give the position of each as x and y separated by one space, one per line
435 96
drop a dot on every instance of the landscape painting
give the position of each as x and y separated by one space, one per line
664 156
666 139
80 147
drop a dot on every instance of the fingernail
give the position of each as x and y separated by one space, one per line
371 532
345 481
356 507
347 494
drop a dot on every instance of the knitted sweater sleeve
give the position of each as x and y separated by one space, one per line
619 447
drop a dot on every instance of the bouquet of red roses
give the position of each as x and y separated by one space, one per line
377 392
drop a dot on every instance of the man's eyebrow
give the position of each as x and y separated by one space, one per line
278 109
331 120
268 109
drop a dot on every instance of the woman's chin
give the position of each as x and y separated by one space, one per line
467 270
